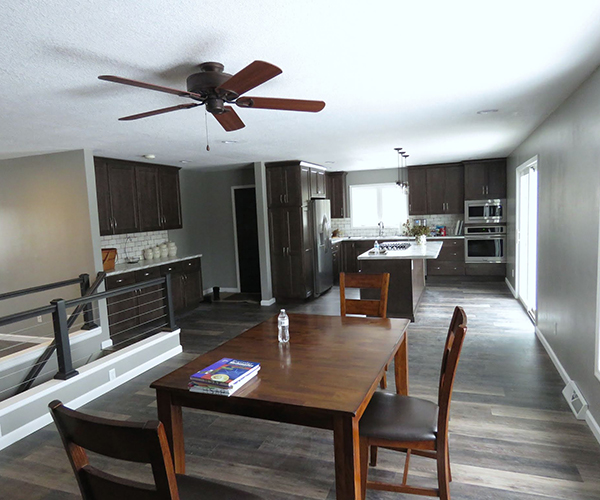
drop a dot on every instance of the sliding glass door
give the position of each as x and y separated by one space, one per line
527 215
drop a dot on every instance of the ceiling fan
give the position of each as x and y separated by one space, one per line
215 89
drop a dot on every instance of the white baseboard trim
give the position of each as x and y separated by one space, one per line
589 418
593 425
510 287
559 367
268 302
52 389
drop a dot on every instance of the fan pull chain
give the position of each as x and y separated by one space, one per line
206 128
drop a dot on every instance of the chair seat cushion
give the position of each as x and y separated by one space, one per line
399 418
196 488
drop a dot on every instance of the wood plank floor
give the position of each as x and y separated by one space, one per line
512 435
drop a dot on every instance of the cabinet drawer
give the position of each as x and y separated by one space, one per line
453 250
147 274
192 265
119 280
445 268
175 267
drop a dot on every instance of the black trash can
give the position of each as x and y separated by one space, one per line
216 293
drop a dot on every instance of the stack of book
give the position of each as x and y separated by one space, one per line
223 377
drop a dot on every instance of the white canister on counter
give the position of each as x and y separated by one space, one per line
172 248
164 251
148 254
156 252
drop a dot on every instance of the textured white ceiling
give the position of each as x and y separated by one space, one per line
393 74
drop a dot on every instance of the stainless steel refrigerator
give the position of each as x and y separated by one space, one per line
323 261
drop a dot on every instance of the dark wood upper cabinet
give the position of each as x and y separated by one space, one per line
417 194
485 179
148 198
170 197
436 189
293 183
117 202
135 197
336 192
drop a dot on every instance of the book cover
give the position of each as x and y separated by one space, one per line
225 372
197 386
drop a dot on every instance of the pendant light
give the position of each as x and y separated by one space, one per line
402 181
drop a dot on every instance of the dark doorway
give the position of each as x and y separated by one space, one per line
247 239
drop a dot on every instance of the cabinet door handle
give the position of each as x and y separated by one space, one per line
482 189
487 190
116 223
342 212
280 198
285 197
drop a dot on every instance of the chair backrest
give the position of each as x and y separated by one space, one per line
133 442
365 306
452 349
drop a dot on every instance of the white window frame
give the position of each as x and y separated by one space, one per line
379 203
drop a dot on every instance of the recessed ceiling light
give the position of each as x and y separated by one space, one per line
150 156
330 162
229 142
487 111
184 161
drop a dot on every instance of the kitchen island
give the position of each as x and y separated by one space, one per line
407 275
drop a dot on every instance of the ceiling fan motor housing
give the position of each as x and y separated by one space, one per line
205 82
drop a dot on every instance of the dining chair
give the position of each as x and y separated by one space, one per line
413 425
141 442
368 307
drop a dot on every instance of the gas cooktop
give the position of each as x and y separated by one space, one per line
395 245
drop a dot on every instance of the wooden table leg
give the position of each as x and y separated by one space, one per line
401 367
171 417
347 458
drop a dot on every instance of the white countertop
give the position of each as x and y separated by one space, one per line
431 250
144 264
394 238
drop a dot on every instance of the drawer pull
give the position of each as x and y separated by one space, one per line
119 281
148 274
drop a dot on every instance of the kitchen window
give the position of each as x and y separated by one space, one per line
372 203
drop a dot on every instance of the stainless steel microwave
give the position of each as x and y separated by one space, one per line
485 211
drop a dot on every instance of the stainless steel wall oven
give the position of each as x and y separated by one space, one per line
485 244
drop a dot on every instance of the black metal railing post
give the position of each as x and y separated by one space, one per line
169 311
88 313
61 338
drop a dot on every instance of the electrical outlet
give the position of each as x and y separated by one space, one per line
39 318
112 374
513 273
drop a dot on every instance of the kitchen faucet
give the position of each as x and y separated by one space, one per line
380 225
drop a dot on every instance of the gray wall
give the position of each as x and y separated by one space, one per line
46 233
568 149
208 222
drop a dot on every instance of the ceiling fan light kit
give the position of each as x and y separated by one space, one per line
215 89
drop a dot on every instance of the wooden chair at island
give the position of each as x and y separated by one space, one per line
414 426
368 307
144 443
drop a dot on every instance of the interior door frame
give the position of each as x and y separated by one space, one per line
235 235
531 163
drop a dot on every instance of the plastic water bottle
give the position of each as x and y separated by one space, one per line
283 327
376 247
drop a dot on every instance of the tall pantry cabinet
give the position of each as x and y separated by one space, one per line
290 186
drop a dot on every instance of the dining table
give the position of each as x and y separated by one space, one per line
323 378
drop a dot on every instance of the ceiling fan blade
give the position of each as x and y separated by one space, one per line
284 104
251 76
149 86
159 111
230 120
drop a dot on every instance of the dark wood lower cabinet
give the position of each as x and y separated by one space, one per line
186 283
451 261
145 308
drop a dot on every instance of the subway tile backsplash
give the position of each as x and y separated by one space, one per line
133 245
448 220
